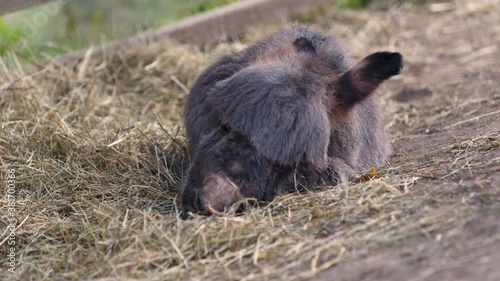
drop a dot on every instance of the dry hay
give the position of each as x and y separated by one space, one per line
99 151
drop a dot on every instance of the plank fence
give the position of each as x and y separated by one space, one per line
206 28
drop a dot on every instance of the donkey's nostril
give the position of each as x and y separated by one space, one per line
219 193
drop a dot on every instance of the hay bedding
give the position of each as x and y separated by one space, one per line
98 150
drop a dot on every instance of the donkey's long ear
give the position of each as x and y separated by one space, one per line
362 79
278 109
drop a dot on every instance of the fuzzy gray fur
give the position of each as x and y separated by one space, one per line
290 107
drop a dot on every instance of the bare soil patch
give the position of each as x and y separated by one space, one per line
452 90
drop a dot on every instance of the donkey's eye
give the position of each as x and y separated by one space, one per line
234 167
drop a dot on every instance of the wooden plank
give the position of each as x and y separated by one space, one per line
233 20
9 6
214 26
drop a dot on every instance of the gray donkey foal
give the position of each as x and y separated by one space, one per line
290 110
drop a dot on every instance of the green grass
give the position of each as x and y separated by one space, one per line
81 23
9 36
354 4
203 6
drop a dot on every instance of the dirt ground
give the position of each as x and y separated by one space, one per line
99 148
453 88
